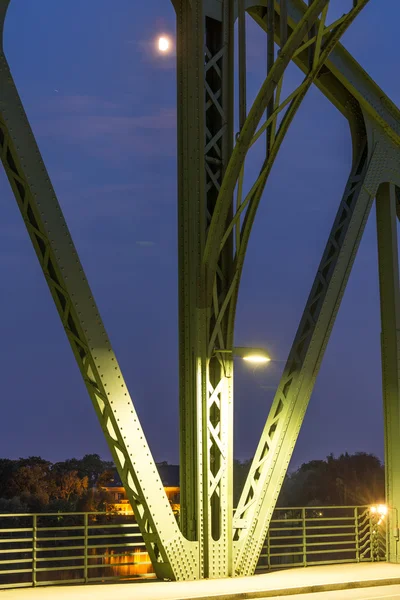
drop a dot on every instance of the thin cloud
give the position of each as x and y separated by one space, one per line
107 136
74 104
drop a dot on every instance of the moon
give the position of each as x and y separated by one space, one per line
163 44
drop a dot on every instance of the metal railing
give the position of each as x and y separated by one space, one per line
317 535
60 548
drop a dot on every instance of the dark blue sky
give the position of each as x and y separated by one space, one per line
103 109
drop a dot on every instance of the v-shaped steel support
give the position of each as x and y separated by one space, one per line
172 555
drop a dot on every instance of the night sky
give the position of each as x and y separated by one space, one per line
102 107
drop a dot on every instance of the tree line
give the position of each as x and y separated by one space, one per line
34 484
350 479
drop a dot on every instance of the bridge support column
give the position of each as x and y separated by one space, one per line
390 341
205 141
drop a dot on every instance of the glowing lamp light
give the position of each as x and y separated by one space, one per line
251 355
380 509
163 44
256 358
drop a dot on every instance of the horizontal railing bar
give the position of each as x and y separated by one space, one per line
298 545
27 515
16 571
135 545
285 554
94 546
122 525
308 519
89 537
15 561
60 514
288 566
125 577
121 554
316 535
314 527
67 568
13 550
16 585
67 528
113 535
284 537
60 558
288 508
329 562
312 544
129 544
285 529
286 520
59 548
15 540
309 536
18 530
61 538
331 551
117 566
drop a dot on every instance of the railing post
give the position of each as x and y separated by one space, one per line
268 551
34 549
371 535
357 534
86 546
303 518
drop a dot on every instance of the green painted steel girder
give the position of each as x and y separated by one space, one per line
173 556
213 230
210 282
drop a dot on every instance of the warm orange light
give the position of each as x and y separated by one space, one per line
380 509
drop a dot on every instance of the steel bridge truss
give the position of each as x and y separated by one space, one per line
217 208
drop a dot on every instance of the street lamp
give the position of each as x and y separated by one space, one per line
252 355
380 509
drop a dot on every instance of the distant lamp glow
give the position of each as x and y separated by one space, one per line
382 509
379 509
163 44
252 355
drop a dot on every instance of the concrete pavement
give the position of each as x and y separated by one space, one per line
269 585
387 592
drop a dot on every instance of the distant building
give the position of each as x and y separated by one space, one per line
170 478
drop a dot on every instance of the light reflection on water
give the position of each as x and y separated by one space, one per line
122 564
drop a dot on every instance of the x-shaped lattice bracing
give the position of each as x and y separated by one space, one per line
320 39
322 44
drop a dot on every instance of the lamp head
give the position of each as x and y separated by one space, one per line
252 355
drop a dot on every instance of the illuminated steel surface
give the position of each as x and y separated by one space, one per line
216 211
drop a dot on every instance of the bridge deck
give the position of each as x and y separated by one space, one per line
301 580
